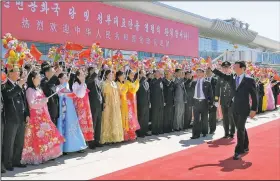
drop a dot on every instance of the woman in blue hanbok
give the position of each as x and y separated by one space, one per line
68 122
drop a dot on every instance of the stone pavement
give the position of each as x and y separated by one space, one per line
94 163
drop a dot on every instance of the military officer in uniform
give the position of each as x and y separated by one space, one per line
16 115
225 93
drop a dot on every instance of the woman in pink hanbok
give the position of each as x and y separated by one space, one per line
42 139
268 98
133 87
81 102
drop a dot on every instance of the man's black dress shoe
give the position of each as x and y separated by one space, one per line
20 166
236 156
10 169
3 170
246 150
226 136
194 137
204 135
231 136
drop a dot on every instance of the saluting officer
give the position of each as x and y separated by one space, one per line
225 93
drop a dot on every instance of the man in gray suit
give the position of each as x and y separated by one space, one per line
179 100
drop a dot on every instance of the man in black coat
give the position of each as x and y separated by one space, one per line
96 101
260 93
202 100
168 89
244 88
3 170
48 85
143 105
157 103
212 108
189 102
16 113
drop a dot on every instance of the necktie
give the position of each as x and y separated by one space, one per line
237 81
198 89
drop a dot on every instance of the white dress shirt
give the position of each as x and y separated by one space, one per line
202 96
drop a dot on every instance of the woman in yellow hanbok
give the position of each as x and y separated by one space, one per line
111 124
133 87
124 107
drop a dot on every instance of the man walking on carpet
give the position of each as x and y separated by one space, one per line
244 88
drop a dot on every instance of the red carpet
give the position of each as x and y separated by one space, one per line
214 161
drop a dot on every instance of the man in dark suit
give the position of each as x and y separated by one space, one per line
260 93
16 115
143 105
202 99
157 103
212 108
168 89
189 102
96 101
48 85
244 88
224 93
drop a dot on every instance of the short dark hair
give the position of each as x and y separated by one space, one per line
177 70
241 64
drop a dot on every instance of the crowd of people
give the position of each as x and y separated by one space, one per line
56 109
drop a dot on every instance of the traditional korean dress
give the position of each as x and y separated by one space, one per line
268 98
82 106
132 110
68 123
42 139
111 124
124 107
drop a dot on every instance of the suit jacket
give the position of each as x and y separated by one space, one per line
15 103
143 94
207 91
246 88
275 88
168 92
95 95
190 91
157 95
180 91
49 87
260 89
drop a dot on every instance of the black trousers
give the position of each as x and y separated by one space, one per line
157 119
275 100
200 123
143 113
13 142
242 136
2 133
168 118
96 116
213 119
228 121
188 116
260 104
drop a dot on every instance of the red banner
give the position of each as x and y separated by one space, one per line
89 22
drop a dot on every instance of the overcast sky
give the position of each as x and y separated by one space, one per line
263 17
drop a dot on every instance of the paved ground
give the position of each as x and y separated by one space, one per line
108 159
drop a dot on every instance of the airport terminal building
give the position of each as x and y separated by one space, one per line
152 29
